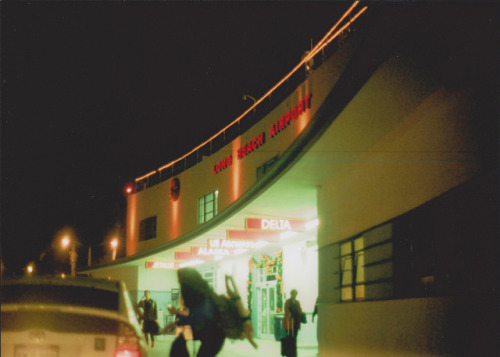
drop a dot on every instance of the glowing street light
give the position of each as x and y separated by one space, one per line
30 269
114 246
73 256
65 242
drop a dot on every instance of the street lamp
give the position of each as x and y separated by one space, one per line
29 269
73 256
114 246
246 96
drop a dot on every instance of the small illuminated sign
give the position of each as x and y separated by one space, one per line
231 244
190 256
276 224
162 265
211 252
271 236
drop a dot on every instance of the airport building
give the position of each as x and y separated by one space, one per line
367 179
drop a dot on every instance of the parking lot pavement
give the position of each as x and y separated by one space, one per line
234 348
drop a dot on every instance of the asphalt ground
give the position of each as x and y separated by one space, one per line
235 348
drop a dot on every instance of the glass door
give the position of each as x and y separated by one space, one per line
266 305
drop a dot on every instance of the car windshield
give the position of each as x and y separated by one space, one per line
60 295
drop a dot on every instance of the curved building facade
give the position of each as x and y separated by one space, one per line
367 180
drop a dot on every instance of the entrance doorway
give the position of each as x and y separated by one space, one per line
266 307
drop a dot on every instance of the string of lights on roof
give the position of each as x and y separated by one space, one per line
331 35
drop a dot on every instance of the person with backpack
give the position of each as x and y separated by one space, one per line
201 314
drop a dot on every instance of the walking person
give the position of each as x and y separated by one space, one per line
291 323
150 317
200 312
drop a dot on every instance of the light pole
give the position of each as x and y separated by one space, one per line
246 96
114 246
73 256
29 269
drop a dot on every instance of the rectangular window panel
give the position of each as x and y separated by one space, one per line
147 228
365 264
207 207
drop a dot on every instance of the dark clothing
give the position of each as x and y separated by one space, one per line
211 339
203 316
150 316
293 314
200 316
150 326
150 310
203 319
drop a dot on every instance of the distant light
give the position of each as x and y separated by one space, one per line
63 275
65 242
129 189
312 224
114 243
30 269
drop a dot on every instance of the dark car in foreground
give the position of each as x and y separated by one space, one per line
60 317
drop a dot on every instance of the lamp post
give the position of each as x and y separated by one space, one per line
29 269
114 246
73 256
246 96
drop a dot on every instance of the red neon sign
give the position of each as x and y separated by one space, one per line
276 224
252 145
283 122
162 265
223 164
272 236
211 252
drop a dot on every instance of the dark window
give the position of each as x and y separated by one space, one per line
261 170
147 228
444 247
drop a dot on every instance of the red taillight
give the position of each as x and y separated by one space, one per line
127 353
127 344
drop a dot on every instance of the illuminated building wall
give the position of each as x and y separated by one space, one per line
399 145
232 170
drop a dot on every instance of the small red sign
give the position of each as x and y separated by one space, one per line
272 236
276 224
162 265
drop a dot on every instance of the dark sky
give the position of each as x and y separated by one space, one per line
95 94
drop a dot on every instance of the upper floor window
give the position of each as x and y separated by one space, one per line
208 206
261 170
147 228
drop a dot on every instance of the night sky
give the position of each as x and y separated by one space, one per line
95 94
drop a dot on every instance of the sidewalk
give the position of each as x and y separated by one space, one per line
236 348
